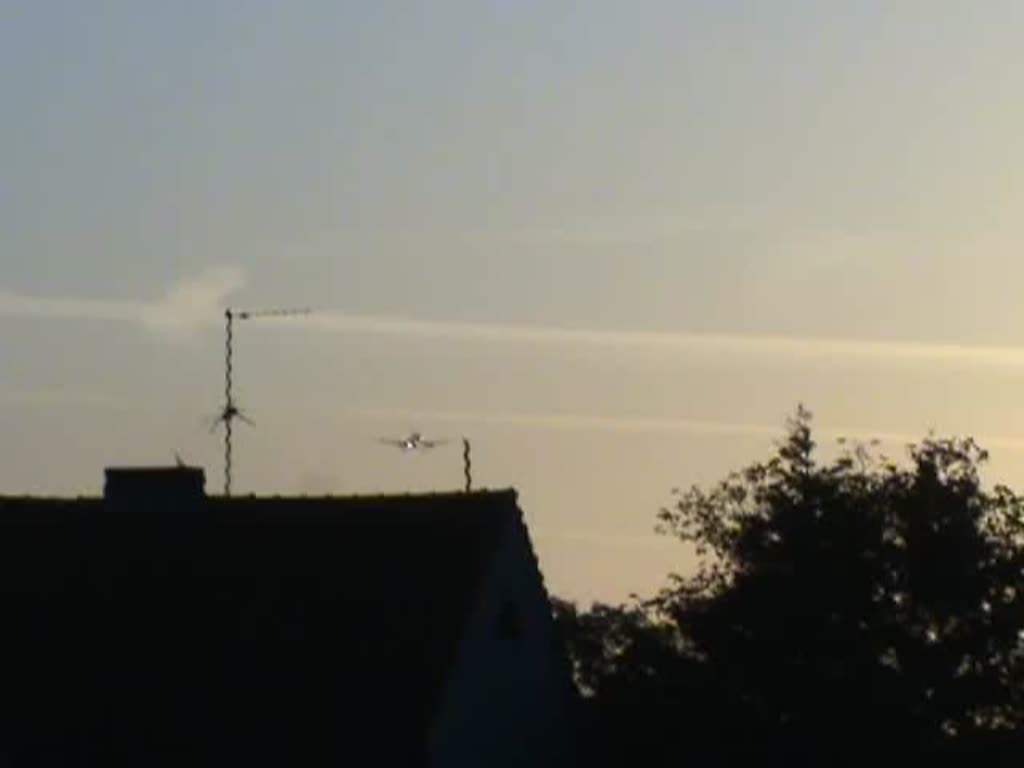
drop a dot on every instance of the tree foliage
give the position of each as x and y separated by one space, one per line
836 609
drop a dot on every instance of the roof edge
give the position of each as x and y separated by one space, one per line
511 493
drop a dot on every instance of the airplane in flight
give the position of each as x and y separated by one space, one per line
414 442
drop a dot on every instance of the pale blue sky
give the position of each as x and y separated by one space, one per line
732 206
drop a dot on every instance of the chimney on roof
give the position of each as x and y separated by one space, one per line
149 487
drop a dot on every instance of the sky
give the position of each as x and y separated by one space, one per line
614 244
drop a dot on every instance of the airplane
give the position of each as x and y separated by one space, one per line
414 442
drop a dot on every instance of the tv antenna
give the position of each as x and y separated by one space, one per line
231 411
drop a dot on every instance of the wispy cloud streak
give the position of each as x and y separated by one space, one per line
69 308
791 347
186 307
569 421
646 425
196 304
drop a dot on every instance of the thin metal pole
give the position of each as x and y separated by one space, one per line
228 415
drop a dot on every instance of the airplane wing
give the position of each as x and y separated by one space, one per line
388 441
432 443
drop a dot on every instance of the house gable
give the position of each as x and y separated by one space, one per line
222 631
508 700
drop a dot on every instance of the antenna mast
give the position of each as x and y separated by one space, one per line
230 411
467 464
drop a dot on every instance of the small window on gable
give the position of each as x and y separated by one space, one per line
510 623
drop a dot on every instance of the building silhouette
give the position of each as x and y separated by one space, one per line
158 626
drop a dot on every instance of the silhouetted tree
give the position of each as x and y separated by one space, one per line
837 611
640 692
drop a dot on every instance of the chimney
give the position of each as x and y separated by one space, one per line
155 487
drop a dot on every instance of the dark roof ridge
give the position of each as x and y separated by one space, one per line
509 493
385 496
361 497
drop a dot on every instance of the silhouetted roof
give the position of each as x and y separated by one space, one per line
246 625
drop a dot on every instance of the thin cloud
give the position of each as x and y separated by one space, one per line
548 421
192 304
792 347
69 308
196 304
585 422
624 230
47 398
187 307
640 425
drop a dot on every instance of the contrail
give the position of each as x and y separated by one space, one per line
793 347
566 421
647 425
198 304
